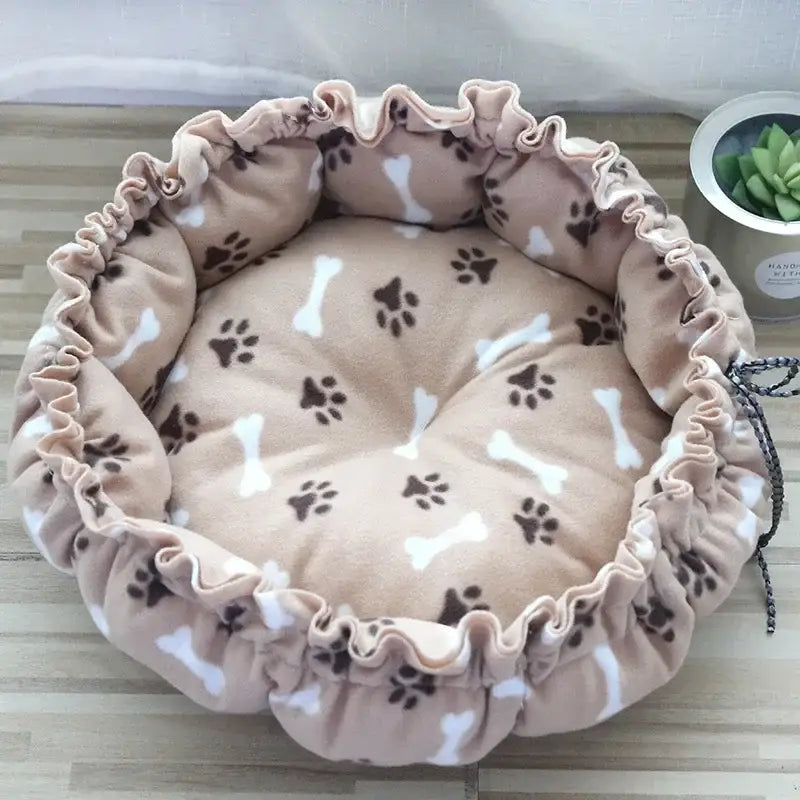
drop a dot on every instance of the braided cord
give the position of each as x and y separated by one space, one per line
748 392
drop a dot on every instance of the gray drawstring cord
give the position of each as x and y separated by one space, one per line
748 392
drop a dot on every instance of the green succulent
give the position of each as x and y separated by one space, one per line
765 180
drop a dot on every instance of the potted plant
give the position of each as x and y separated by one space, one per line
766 179
743 198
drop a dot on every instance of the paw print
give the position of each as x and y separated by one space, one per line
689 311
583 222
241 158
178 429
302 116
96 503
427 491
533 632
656 202
473 263
276 252
713 278
234 341
147 585
410 685
396 313
535 521
470 215
108 453
81 544
47 475
375 624
112 271
693 573
534 386
597 327
457 605
230 621
335 146
398 113
461 147
492 202
337 655
584 619
143 227
232 254
655 618
325 398
313 497
664 272
620 306
150 397
620 167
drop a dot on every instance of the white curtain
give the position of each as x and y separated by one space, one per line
649 55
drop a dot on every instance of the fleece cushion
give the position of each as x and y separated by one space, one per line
409 424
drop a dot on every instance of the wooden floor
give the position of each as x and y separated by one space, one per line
80 720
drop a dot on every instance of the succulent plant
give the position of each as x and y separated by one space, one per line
765 180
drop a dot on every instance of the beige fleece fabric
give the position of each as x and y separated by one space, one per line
407 423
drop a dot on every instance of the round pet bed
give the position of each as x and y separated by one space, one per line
409 424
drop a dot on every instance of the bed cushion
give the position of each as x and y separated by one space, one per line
409 424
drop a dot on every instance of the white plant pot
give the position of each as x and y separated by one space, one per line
762 256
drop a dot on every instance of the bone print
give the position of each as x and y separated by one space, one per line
408 231
33 519
502 447
672 451
643 547
742 429
274 614
747 529
538 243
276 577
179 645
192 215
609 665
454 727
471 528
625 454
179 517
308 318
248 431
47 334
315 176
37 426
511 687
99 619
425 406
658 394
179 371
146 331
488 351
305 700
751 488
235 566
398 171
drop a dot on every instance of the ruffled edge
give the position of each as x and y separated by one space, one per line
199 147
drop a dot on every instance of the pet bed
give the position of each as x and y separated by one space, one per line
409 424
